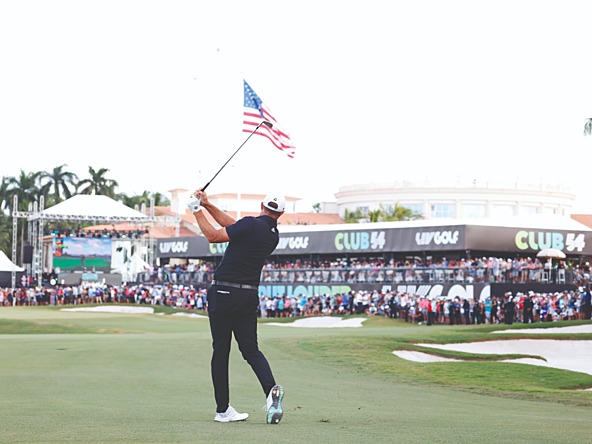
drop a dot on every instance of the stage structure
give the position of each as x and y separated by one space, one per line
77 208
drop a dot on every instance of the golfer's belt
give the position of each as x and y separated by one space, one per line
235 285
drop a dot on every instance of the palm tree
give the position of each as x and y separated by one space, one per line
5 217
144 198
382 214
26 188
160 200
98 183
5 233
399 213
57 184
137 200
4 198
376 215
353 217
588 127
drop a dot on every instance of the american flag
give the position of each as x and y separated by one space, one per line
254 112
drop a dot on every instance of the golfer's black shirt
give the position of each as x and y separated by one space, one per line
252 240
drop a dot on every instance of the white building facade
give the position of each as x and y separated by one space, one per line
237 202
458 199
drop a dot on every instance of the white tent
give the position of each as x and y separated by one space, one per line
6 270
90 206
7 265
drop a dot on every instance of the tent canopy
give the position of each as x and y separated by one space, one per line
7 265
92 207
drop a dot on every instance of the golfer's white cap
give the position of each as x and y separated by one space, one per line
275 202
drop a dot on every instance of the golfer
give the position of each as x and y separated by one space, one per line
233 298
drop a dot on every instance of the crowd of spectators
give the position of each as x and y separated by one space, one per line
473 270
414 308
172 295
527 308
184 286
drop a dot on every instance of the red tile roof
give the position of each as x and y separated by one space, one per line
585 219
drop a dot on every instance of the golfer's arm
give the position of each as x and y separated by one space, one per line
219 216
213 235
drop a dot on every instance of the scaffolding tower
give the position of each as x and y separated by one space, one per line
36 219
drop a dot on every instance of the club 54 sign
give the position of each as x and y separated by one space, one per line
538 240
360 240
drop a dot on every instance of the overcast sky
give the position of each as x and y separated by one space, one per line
370 92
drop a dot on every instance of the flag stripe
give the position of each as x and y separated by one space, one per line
286 149
276 131
281 138
277 141
255 112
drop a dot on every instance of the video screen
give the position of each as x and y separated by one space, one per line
82 253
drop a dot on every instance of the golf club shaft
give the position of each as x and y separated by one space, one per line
264 122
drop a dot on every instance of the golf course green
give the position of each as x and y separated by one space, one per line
93 377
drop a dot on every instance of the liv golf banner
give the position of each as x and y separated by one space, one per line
404 240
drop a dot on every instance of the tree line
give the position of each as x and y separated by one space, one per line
389 213
55 186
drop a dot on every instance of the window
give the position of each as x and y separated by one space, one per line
442 210
416 208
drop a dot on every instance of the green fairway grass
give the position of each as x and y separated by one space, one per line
80 377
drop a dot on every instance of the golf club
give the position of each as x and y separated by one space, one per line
264 122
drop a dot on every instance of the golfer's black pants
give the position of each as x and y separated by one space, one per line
234 311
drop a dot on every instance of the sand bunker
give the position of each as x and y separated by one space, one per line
190 315
422 357
322 322
316 322
571 329
129 310
567 355
114 309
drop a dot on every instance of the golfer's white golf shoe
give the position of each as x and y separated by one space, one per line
230 415
274 405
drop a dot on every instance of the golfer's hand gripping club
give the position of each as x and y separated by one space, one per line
194 204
